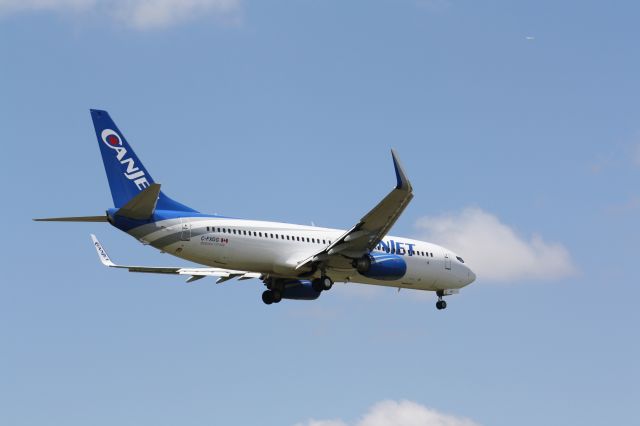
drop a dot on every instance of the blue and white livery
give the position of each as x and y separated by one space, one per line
293 261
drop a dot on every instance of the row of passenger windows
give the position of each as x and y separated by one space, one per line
296 238
267 235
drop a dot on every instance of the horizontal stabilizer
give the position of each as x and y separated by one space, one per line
142 206
74 219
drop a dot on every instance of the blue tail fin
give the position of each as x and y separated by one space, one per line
125 172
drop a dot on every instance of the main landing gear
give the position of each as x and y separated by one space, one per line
274 291
271 296
321 284
440 304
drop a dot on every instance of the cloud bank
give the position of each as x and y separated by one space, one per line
402 413
137 14
494 250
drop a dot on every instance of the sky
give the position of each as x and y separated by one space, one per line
517 123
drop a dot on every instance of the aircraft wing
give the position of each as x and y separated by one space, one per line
194 273
367 233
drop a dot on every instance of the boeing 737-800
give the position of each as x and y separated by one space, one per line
293 261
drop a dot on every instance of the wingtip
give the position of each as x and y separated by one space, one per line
102 253
401 178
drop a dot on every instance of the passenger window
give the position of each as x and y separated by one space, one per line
271 235
324 242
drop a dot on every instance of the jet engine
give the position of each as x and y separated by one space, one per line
381 266
299 290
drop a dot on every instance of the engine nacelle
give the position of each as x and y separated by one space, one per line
299 290
381 266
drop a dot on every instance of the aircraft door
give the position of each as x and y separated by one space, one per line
185 234
447 261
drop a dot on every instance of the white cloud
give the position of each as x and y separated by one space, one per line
138 14
494 250
147 14
322 423
402 413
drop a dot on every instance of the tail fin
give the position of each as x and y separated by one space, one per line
125 172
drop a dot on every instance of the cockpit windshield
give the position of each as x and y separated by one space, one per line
460 259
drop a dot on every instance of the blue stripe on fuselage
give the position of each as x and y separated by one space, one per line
126 224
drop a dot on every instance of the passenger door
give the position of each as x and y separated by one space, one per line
447 261
185 234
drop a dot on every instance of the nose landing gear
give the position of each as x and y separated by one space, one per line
440 304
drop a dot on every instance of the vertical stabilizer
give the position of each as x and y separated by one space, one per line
126 174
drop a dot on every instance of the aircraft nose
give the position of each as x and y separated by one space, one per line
471 276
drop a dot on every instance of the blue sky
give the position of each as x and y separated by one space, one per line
517 123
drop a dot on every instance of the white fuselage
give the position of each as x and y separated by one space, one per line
276 249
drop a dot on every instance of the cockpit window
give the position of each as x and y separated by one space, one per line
460 259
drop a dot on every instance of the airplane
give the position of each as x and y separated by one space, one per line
295 262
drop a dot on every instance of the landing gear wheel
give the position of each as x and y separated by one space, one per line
317 285
441 304
327 283
276 295
267 297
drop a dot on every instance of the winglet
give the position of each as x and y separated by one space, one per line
402 181
102 254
